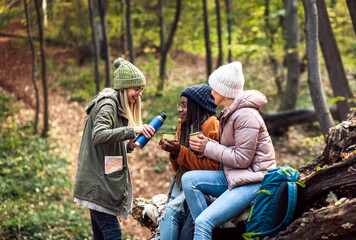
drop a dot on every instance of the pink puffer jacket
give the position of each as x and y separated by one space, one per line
245 149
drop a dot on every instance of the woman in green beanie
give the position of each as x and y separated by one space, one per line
103 182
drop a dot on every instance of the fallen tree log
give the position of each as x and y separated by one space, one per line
337 222
340 179
278 124
333 174
340 142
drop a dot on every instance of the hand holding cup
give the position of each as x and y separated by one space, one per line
198 141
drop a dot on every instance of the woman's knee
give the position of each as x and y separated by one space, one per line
188 178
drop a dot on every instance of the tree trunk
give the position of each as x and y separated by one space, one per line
292 59
98 28
123 30
278 78
351 4
174 26
45 16
333 60
103 5
129 33
227 2
95 46
165 46
33 50
218 26
316 92
209 63
44 70
163 57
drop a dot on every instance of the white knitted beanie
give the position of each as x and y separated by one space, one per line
228 80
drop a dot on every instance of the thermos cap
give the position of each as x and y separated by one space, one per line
163 115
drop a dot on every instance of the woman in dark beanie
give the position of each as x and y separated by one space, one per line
197 113
245 153
103 182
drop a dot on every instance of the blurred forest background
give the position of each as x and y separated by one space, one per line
57 54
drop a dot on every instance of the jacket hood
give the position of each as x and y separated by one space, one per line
106 93
249 99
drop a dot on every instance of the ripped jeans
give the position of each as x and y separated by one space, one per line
171 224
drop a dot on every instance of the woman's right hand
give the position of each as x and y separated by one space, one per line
147 130
171 146
198 144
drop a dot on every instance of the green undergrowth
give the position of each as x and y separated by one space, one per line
36 200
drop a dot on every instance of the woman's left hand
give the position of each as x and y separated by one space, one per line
198 144
131 144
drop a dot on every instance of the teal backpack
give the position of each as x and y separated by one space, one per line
273 208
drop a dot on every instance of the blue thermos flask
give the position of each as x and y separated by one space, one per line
156 123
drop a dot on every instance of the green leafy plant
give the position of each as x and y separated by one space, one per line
35 189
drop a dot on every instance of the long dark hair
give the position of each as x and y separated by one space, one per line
196 116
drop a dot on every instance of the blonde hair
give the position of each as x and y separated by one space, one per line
132 110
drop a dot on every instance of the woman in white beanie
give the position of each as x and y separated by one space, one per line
245 153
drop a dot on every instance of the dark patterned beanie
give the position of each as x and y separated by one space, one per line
127 75
201 95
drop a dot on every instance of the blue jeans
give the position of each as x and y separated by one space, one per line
105 226
171 224
228 204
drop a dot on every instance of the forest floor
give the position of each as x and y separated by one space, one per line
67 120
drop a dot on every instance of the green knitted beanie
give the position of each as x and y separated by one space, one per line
127 75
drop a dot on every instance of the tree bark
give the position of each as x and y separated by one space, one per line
166 45
45 16
316 92
209 63
103 5
95 45
333 60
129 33
44 69
292 58
33 76
340 178
327 223
351 4
219 32
227 2
339 139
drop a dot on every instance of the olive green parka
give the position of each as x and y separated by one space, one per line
105 134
